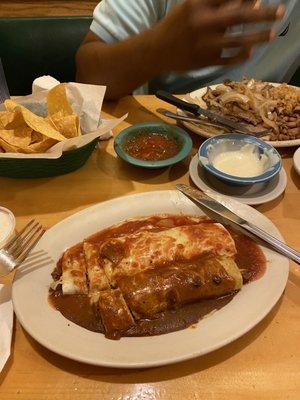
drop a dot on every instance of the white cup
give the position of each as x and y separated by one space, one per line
7 225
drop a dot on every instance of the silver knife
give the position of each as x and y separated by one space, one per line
202 121
200 198
197 110
195 120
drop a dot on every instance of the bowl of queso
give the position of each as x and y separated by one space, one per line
153 144
240 159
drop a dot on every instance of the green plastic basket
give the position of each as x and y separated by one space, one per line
45 168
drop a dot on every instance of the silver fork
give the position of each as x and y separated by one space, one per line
18 248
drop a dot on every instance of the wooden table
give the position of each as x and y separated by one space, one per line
263 364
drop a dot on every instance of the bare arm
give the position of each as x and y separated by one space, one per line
122 66
191 36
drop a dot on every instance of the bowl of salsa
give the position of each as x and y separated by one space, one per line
153 144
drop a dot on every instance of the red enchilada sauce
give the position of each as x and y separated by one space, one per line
152 146
77 308
249 258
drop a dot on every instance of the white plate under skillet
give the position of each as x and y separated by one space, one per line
296 160
52 330
197 129
252 195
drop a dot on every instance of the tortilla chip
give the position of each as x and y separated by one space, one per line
19 137
48 119
57 101
36 137
8 148
67 126
41 147
35 122
5 117
25 132
11 119
78 124
10 105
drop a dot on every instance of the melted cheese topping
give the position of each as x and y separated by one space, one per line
73 277
134 253
97 277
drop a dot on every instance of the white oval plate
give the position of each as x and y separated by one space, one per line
52 330
253 195
296 160
194 128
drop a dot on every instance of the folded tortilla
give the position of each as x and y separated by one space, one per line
73 265
155 290
97 278
115 314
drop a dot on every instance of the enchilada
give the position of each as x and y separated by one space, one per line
142 272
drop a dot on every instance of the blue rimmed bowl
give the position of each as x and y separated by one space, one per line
171 131
232 142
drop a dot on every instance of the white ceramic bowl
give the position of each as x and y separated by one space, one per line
230 142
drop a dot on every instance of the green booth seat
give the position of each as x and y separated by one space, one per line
35 46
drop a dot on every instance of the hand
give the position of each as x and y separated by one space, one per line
193 34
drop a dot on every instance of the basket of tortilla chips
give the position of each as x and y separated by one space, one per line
52 143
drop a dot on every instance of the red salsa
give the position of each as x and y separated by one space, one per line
152 146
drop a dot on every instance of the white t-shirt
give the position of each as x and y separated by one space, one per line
115 20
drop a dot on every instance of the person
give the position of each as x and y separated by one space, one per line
177 45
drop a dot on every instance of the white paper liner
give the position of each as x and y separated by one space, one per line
6 323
